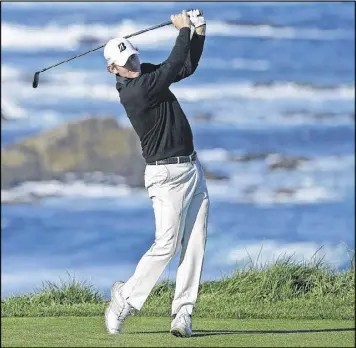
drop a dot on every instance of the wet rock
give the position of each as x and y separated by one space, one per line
209 175
89 40
253 156
204 117
89 145
3 117
278 161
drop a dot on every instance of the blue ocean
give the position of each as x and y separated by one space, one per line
274 79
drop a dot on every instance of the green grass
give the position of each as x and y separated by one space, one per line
307 304
283 290
154 332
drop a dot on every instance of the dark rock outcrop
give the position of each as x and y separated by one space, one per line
250 156
3 116
92 149
89 145
278 161
203 117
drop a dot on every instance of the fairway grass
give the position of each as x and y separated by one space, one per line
154 332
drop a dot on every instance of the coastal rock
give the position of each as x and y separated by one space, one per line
89 40
94 149
209 175
203 117
278 161
89 145
3 116
250 156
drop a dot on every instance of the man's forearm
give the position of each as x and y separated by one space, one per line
201 30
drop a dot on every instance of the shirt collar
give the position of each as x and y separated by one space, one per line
121 80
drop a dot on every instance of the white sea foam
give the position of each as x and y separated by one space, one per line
193 93
295 196
268 31
213 155
83 83
330 163
276 91
311 182
12 110
30 191
236 64
9 72
234 192
21 37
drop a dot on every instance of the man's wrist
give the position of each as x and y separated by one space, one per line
201 30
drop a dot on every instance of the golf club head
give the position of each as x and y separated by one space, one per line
36 79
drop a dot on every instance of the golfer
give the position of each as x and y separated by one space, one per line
174 177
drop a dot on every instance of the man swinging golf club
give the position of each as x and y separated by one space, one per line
173 176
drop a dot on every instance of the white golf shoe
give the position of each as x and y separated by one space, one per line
182 325
117 310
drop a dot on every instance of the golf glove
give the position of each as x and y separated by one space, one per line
196 17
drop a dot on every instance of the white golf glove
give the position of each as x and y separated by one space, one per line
196 17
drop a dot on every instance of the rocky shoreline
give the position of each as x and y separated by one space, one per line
77 149
98 151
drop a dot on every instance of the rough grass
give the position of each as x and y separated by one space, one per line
285 289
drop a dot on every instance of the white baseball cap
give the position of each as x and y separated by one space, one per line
118 51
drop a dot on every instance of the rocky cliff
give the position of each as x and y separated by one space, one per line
89 145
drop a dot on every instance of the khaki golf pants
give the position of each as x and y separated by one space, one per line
181 203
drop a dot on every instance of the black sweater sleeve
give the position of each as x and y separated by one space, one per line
192 61
167 72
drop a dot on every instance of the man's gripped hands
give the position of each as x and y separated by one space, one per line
181 20
186 19
196 17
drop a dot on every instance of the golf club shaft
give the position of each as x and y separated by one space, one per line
98 48
36 77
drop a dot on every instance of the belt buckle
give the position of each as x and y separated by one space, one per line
178 158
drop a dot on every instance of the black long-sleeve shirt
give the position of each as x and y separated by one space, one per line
152 108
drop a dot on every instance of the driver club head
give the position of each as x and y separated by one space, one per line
36 79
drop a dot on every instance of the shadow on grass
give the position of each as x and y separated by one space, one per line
203 333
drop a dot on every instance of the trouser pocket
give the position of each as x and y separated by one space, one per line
156 175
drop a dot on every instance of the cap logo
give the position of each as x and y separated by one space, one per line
122 47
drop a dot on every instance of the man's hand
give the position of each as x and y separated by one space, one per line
181 20
196 18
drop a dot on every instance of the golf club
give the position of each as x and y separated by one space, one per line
36 78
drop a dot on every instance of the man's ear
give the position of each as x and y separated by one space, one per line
111 69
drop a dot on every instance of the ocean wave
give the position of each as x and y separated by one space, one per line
11 110
70 37
246 184
82 85
277 32
258 120
9 73
233 103
274 178
321 163
250 190
35 191
273 91
235 64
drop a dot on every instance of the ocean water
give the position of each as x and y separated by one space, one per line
275 78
